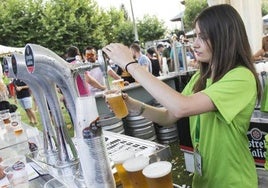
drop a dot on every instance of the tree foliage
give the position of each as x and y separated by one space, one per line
57 24
192 9
124 33
264 8
150 28
19 24
72 22
115 18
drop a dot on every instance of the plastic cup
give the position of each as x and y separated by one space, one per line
134 167
158 175
117 104
15 169
118 159
5 116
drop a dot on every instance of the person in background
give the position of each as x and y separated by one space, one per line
90 56
137 42
214 99
166 54
160 49
4 96
23 95
74 56
3 91
142 59
262 54
152 55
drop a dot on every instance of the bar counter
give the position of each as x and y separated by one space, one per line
113 140
135 90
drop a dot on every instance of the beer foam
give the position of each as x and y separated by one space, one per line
112 95
122 156
136 164
157 169
118 81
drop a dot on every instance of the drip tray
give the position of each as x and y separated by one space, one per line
117 142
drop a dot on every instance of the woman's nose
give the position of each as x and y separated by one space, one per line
195 43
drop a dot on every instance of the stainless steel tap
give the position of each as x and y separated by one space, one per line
15 68
51 71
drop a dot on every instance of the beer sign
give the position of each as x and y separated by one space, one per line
5 66
256 134
29 59
14 65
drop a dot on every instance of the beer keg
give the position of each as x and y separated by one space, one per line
166 135
109 122
140 127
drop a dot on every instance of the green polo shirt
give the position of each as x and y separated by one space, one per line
223 143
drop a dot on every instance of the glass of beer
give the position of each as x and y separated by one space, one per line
5 115
16 123
134 167
117 104
158 175
17 128
118 159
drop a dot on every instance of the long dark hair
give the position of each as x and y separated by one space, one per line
223 27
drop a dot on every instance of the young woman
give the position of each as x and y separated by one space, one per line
219 99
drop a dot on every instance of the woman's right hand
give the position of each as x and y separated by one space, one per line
119 53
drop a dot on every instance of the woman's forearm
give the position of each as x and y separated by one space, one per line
155 114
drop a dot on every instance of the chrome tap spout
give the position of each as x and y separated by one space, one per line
17 69
51 71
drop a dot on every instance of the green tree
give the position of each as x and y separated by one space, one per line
72 22
57 24
124 33
20 22
264 7
150 28
114 19
123 8
192 9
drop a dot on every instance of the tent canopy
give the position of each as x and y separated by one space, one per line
178 17
6 50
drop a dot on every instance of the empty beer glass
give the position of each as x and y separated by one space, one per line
134 167
158 175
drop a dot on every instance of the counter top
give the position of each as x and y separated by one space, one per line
136 91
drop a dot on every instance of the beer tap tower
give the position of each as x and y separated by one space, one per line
43 71
15 68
